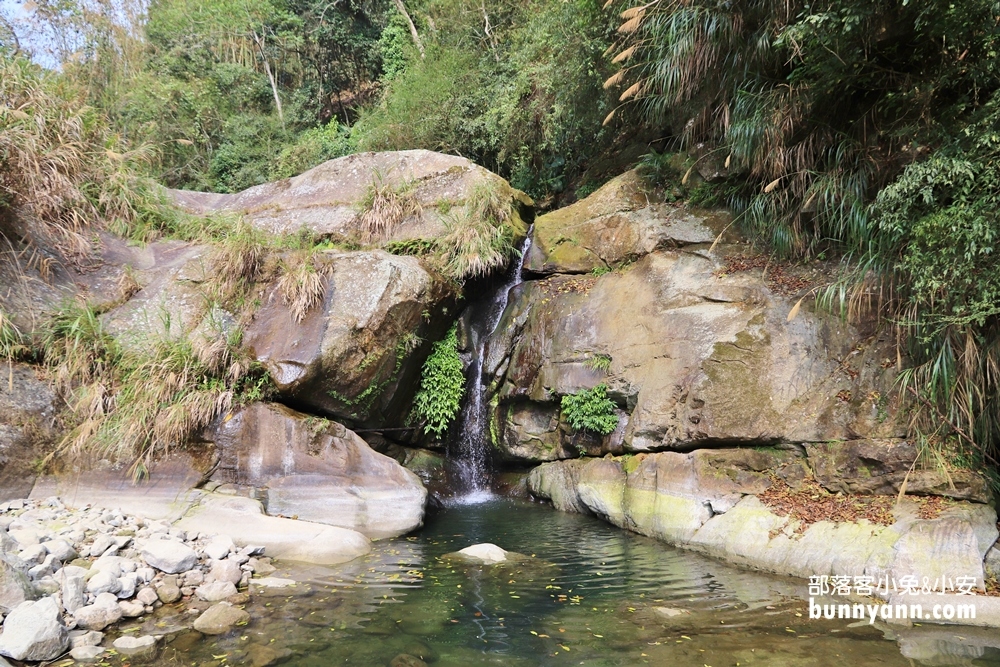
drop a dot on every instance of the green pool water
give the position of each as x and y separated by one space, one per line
588 594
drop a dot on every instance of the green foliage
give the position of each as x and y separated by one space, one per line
136 402
599 362
442 385
590 410
524 100
813 106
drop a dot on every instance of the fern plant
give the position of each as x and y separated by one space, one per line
590 410
442 385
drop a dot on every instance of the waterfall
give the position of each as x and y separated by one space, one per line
470 448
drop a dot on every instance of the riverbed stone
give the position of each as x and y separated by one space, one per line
99 615
33 631
136 648
85 638
225 571
216 591
15 587
169 556
244 520
220 619
485 553
87 654
317 470
168 593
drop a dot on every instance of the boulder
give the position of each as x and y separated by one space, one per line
225 570
99 615
15 587
325 200
317 470
220 619
216 591
615 224
34 631
169 556
692 339
244 520
485 553
137 648
358 353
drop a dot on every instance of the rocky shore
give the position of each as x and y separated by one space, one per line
67 575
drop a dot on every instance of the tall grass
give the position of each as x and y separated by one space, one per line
138 403
479 237
384 207
61 168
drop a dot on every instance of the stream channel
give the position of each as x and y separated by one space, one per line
588 594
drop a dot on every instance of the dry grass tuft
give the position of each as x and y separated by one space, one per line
237 260
480 239
59 169
303 283
384 207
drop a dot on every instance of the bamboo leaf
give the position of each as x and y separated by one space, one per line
795 310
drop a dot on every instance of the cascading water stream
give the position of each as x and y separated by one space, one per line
470 449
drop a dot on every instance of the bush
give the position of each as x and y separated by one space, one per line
590 410
442 384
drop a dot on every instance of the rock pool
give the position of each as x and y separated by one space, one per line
589 594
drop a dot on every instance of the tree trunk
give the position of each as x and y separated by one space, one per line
413 29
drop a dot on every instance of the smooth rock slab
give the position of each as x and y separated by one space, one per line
244 520
34 631
220 619
169 556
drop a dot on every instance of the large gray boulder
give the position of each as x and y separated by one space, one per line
692 339
317 470
169 556
34 631
358 353
326 199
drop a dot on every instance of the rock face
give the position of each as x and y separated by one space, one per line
34 631
318 471
324 200
28 406
707 500
692 339
358 354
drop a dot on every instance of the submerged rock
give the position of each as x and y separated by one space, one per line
220 619
486 553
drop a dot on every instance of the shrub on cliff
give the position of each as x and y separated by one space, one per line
442 385
590 410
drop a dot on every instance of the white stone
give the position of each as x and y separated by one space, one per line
61 549
72 590
34 631
226 570
146 596
219 547
86 653
85 638
131 609
103 582
485 553
127 583
168 556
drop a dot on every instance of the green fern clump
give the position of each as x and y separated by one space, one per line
442 385
590 410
